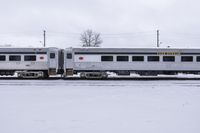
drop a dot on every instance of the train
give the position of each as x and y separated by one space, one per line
97 62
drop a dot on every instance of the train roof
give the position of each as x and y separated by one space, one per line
180 50
11 49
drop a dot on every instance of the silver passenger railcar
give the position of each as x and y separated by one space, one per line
96 62
29 62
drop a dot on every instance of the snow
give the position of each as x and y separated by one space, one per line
69 106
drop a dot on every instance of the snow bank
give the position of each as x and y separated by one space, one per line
99 106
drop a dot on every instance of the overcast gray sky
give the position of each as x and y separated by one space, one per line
122 23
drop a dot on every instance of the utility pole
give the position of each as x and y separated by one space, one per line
44 38
158 38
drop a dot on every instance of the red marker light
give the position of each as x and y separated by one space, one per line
81 58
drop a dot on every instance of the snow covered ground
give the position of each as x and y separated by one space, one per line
61 106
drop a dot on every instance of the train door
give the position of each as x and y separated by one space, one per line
69 64
61 61
53 62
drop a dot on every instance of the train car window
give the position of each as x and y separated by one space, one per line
69 56
52 55
187 58
14 58
137 58
198 59
29 58
122 58
2 57
153 58
106 58
169 58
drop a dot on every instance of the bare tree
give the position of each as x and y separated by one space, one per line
90 39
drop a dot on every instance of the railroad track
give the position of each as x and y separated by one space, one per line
110 78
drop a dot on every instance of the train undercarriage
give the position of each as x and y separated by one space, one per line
44 74
30 74
105 74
